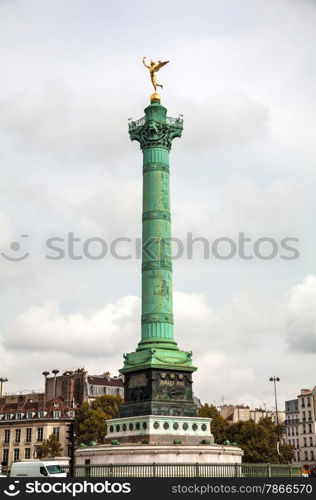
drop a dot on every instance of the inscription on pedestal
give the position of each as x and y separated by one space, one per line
138 380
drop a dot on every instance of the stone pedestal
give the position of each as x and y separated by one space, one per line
158 392
158 454
153 429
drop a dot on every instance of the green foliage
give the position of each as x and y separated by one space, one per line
50 447
258 441
219 425
91 419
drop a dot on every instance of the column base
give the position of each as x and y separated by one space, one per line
158 429
157 354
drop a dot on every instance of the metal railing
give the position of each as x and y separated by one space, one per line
174 121
132 125
187 470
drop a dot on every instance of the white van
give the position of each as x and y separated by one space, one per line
37 468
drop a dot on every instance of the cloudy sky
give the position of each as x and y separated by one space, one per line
242 72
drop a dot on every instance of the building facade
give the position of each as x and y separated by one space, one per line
27 419
307 427
292 429
241 413
27 422
78 386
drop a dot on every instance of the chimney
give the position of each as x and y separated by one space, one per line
55 381
2 382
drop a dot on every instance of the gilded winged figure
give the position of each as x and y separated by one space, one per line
153 68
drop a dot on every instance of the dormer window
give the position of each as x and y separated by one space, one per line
41 414
18 416
56 414
56 405
71 414
7 416
29 414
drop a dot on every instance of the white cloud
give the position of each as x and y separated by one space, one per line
236 347
100 333
57 120
223 119
301 313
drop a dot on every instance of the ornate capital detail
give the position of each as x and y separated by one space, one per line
156 214
154 167
157 318
153 134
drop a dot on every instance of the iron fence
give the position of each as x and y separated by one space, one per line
186 470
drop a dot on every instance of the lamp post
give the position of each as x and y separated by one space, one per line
274 380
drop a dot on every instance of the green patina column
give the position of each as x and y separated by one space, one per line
155 138
147 390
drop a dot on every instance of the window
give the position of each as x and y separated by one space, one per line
28 438
56 432
312 455
305 442
308 401
310 441
306 456
17 435
40 434
16 454
5 457
27 453
56 414
297 431
18 416
71 414
29 415
41 414
304 429
303 403
104 390
297 443
309 415
304 415
7 416
69 451
7 436
56 405
310 428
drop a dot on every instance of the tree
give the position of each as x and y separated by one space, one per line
259 441
91 419
50 447
219 425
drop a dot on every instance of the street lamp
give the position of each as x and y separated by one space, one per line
274 380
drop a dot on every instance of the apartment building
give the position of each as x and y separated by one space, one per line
292 429
27 422
237 413
307 427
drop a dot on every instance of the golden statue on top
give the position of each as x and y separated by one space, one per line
153 68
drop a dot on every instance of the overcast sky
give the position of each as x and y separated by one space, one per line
242 72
